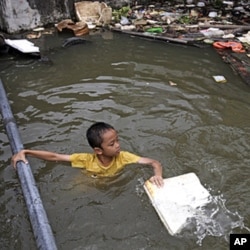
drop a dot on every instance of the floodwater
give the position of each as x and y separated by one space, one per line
197 126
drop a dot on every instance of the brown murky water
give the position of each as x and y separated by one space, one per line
196 126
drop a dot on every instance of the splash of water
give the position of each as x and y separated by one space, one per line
213 219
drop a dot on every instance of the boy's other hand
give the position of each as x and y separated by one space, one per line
157 180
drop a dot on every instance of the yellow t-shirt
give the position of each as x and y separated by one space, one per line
91 163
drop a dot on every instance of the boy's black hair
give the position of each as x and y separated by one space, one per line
95 132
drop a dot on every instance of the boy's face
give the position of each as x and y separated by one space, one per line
110 144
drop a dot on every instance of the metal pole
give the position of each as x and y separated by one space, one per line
38 217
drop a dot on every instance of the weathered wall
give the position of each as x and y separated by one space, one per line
18 15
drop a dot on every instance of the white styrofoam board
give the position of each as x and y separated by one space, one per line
22 45
177 200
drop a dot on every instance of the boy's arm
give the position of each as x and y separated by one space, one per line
40 154
157 178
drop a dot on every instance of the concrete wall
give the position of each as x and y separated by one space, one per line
21 15
18 15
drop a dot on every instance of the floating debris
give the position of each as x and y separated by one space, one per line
22 45
225 25
172 83
95 12
79 28
245 38
34 35
235 46
220 79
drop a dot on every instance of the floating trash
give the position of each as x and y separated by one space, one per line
155 30
172 83
220 79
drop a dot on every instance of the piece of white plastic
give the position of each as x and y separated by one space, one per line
220 79
22 45
177 200
212 32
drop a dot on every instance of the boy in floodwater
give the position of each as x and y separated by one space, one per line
106 160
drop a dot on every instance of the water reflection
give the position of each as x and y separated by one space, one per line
196 126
